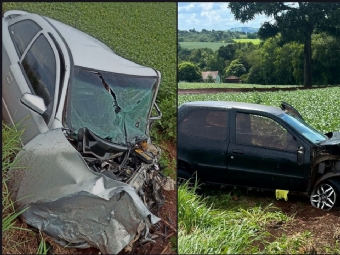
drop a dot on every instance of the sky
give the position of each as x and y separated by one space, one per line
211 16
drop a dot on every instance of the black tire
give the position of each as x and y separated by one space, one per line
326 194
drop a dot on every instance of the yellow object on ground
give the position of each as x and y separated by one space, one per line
281 194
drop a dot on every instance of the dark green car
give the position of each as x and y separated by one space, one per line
252 145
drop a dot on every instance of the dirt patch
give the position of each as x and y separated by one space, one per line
232 90
166 231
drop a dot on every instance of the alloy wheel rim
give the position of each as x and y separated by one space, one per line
323 197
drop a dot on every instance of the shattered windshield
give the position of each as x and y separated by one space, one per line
113 106
303 128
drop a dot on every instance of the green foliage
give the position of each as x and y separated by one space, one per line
252 40
294 24
205 227
201 85
208 36
199 45
300 243
314 104
141 32
42 248
188 71
227 52
326 59
235 68
10 147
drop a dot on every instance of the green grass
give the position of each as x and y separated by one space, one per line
319 107
202 85
141 32
254 41
215 223
10 146
198 45
214 45
205 228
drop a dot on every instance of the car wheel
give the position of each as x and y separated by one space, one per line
324 195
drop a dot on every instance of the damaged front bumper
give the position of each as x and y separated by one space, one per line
80 207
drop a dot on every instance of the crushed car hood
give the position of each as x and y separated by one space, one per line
331 145
66 200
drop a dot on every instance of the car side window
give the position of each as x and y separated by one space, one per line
22 33
39 64
211 124
263 131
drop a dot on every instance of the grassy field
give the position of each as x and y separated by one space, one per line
203 85
198 45
254 41
214 45
319 107
141 32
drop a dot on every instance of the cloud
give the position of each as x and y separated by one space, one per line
186 7
210 16
206 6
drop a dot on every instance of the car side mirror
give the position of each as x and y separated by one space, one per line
300 153
35 103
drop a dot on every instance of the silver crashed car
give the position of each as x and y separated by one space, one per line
91 175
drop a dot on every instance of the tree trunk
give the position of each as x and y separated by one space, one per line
307 81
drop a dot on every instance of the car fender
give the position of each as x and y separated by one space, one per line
329 175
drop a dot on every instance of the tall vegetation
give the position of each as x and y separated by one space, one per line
271 62
295 22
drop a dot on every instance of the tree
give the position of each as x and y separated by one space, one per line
226 52
294 21
188 71
236 68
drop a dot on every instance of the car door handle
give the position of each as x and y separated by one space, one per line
238 152
9 78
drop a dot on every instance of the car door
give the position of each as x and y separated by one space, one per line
263 153
32 67
203 142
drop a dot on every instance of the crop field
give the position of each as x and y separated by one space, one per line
198 45
204 85
319 107
254 41
214 45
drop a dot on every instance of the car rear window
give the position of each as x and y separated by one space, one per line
211 124
22 34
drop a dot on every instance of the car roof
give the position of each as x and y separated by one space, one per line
91 53
235 105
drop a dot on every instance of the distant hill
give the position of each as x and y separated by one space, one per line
244 29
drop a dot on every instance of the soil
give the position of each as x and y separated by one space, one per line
166 242
231 90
